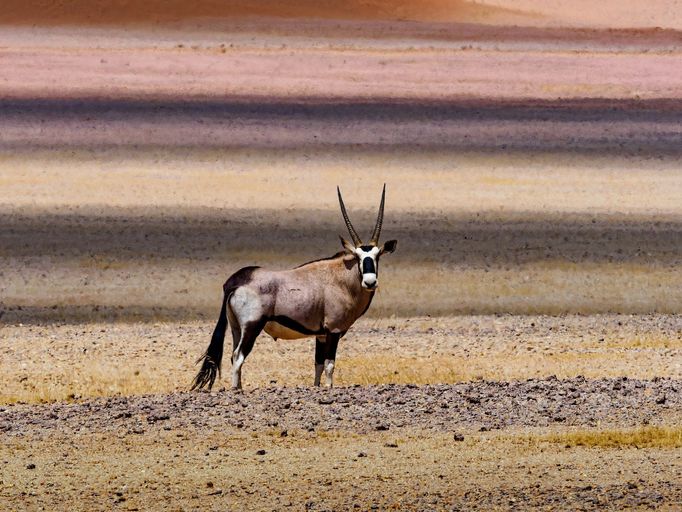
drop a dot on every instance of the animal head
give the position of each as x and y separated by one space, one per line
367 254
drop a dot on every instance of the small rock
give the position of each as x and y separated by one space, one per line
284 433
362 454
382 427
30 466
261 452
458 437
153 418
391 445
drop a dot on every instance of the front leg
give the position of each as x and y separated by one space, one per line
330 357
325 357
320 352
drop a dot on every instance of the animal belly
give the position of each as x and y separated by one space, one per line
279 331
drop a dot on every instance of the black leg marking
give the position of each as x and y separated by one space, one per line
330 356
249 335
320 351
331 345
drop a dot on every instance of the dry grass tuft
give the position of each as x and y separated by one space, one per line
645 437
372 370
100 380
646 341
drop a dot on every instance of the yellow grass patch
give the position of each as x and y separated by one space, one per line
72 361
645 437
100 380
646 341
510 365
267 367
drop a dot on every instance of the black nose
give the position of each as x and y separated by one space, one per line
371 284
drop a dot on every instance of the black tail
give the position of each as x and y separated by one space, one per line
214 353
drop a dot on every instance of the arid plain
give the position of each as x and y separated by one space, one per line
525 347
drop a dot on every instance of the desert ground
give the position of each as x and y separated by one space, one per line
524 349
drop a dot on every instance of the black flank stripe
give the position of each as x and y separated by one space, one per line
294 325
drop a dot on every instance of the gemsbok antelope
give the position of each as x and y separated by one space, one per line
322 298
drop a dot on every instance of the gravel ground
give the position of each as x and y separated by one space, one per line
471 406
473 446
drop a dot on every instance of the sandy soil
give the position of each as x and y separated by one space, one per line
83 360
180 74
318 471
377 447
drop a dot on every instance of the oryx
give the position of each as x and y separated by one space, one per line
322 298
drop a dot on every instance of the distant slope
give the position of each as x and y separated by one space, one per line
601 14
551 13
117 12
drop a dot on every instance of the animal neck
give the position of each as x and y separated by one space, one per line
352 280
343 268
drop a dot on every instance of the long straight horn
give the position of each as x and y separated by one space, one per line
351 229
380 219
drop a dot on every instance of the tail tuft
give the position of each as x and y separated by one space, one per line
207 375
210 368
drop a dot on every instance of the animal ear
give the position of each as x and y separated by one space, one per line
389 246
347 245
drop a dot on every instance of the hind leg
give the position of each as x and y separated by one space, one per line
236 332
249 333
249 315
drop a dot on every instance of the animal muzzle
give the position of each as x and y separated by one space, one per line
369 281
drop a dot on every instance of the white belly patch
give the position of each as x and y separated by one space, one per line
279 331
